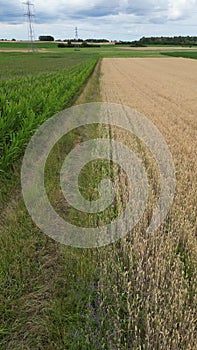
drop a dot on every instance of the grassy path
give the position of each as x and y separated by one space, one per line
39 278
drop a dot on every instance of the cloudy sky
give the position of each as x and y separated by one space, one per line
115 19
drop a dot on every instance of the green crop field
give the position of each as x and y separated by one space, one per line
55 297
25 45
27 102
33 87
184 54
18 64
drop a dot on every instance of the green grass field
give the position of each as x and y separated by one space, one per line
185 54
45 287
55 297
17 64
26 45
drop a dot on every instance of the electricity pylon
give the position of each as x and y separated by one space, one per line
30 16
76 39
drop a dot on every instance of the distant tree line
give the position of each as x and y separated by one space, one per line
51 38
71 44
72 40
123 42
130 43
176 40
87 40
97 40
8 40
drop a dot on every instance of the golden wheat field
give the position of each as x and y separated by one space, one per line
149 282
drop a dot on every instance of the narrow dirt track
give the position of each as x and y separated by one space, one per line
165 91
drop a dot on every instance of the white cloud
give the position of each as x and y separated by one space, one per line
179 8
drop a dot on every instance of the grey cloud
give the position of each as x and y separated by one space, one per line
152 11
158 20
97 12
12 13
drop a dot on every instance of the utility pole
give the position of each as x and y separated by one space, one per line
76 39
29 14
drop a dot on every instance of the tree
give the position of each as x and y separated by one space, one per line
46 38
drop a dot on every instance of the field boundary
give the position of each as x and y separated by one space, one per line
40 299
